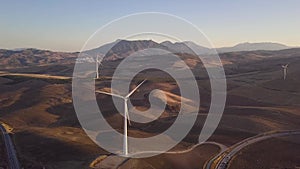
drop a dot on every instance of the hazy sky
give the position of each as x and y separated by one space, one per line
63 25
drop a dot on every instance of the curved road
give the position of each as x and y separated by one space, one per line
11 153
115 161
233 150
221 146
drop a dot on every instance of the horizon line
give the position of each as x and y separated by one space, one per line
78 51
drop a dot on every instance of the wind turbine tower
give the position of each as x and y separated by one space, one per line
284 70
97 66
126 114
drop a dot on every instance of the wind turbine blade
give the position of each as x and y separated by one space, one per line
129 94
111 94
97 60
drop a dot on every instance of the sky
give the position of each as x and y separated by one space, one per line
65 25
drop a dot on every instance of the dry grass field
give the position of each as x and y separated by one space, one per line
194 159
47 132
281 152
3 157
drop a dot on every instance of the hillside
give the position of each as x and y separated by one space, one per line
46 130
31 57
253 46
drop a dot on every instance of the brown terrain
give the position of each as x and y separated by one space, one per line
281 152
189 160
3 157
47 133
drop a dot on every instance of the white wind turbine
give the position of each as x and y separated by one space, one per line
126 115
284 70
97 66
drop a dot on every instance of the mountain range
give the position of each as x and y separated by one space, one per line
253 46
120 49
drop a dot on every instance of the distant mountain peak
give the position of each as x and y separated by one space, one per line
259 43
248 46
121 47
187 47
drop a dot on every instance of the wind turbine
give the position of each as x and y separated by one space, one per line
126 115
97 66
284 70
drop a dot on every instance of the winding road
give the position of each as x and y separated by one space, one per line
115 161
11 153
227 155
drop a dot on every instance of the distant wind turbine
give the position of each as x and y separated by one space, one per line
126 115
284 70
97 66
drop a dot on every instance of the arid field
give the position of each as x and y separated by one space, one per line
282 152
46 131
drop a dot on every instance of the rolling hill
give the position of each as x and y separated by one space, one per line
46 130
